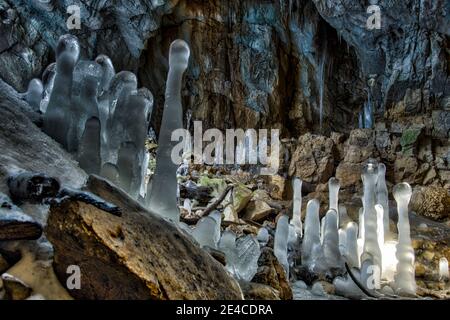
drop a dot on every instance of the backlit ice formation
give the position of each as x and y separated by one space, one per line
281 242
383 199
443 269
404 279
164 200
34 94
297 207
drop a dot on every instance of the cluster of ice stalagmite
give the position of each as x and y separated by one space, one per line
404 277
97 115
241 255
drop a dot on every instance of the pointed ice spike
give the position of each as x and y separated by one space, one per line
371 248
383 199
312 230
352 245
163 200
297 207
248 253
34 94
48 78
89 149
57 115
108 72
126 164
281 242
110 172
331 241
405 282
333 192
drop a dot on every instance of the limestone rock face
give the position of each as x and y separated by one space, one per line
431 202
254 64
313 159
136 256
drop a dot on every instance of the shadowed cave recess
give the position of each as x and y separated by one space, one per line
357 208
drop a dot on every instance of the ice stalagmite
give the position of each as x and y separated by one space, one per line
110 172
380 227
331 241
227 245
205 232
371 249
84 100
404 279
344 219
48 79
57 115
333 194
248 253
281 242
443 269
352 245
89 148
34 94
217 216
383 199
342 241
311 238
126 165
163 199
297 207
108 72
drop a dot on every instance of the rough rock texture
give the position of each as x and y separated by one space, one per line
24 147
255 63
431 202
271 273
258 291
132 257
313 159
14 288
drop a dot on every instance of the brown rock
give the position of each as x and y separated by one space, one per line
4 265
14 288
257 210
313 160
136 256
276 186
405 168
258 291
349 174
16 225
271 273
432 202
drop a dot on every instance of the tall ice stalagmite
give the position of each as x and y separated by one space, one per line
405 282
297 207
163 199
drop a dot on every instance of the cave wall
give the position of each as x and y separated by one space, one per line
255 63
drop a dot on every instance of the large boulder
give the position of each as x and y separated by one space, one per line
432 202
136 256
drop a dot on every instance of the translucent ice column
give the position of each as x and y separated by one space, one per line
352 245
371 248
443 269
311 237
404 279
48 79
331 241
297 207
126 165
34 94
227 245
333 193
281 242
380 227
163 200
108 72
89 148
205 232
383 199
57 115
248 253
